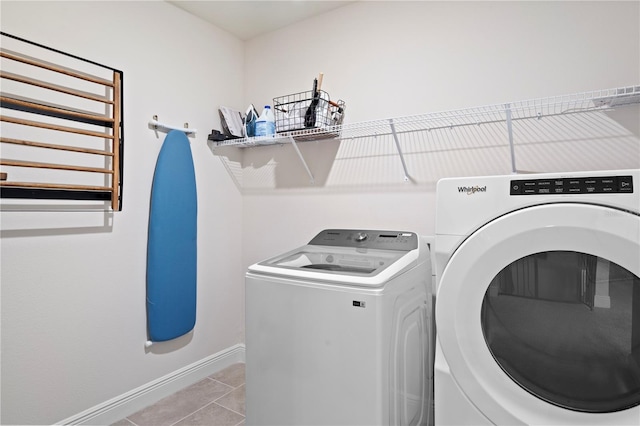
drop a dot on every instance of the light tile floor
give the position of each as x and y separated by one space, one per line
217 400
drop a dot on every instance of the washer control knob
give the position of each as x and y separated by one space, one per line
361 236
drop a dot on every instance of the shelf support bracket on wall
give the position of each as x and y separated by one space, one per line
304 163
395 138
510 133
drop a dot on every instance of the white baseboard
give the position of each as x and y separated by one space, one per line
130 402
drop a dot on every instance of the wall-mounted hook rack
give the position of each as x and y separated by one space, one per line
156 125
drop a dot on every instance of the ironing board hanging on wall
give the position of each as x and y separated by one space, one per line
172 244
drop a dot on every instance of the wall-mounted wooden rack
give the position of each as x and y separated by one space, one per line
63 134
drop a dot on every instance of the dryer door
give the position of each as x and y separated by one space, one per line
538 316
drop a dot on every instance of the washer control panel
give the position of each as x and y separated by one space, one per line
381 240
577 185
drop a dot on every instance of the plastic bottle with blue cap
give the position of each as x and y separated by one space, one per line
266 123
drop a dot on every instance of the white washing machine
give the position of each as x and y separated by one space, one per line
338 332
538 299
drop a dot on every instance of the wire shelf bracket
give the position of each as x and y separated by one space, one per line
304 163
397 142
512 151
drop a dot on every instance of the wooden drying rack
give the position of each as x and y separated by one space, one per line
109 129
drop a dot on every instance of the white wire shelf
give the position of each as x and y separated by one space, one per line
510 111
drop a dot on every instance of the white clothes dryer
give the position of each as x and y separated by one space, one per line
538 299
338 332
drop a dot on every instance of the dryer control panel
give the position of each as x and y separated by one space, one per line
573 185
380 240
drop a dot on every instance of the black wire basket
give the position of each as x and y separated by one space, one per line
303 110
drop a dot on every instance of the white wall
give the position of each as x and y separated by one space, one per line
73 316
390 59
73 284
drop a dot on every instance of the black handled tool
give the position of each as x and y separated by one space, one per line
310 114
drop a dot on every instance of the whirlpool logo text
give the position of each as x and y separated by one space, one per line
470 190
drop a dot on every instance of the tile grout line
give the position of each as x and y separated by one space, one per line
215 401
222 396
226 408
220 405
131 421
212 402
191 414
226 384
206 405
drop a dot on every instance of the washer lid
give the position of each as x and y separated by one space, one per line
332 259
349 257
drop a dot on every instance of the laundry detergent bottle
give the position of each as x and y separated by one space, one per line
266 123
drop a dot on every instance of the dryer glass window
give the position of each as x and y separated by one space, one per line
565 326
